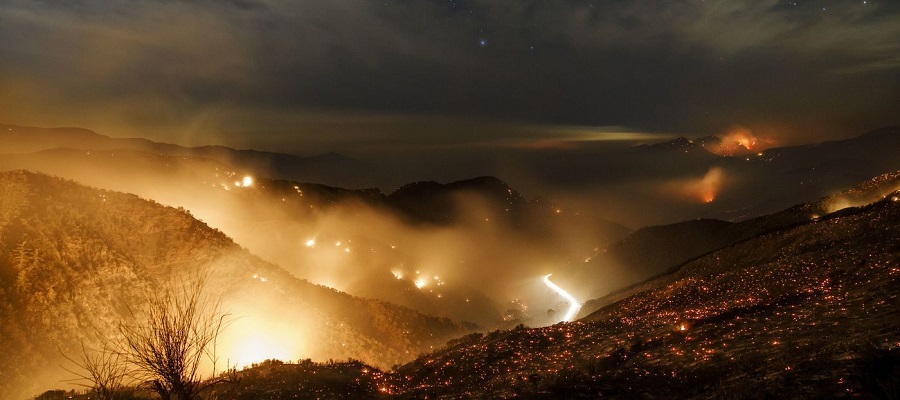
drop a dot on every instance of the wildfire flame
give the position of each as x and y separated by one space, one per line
247 181
421 282
704 189
253 339
738 140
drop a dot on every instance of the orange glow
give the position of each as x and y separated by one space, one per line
737 141
737 138
258 348
253 340
421 282
246 181
703 190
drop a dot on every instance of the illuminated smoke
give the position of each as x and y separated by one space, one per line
737 141
256 337
574 305
703 190
710 184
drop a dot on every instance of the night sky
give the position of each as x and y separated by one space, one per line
367 76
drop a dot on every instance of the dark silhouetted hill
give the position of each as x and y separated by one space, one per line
330 168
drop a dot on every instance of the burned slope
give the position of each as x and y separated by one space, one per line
652 251
810 311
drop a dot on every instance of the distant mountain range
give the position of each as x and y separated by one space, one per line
756 182
711 144
330 168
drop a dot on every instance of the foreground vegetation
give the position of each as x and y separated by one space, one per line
865 373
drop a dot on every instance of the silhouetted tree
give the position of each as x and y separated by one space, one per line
103 371
179 330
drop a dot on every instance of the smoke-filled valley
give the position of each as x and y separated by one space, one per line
342 199
92 227
471 250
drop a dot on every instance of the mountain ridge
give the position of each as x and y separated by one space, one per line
656 250
326 168
73 258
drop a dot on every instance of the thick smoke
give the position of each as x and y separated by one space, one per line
475 268
485 265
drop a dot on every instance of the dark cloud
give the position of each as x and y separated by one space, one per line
243 67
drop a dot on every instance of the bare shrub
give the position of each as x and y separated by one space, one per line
169 341
103 371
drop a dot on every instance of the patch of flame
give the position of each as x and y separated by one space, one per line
705 189
738 140
421 282
253 340
247 181
259 348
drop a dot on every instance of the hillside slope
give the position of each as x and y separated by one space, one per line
387 236
807 311
74 259
652 251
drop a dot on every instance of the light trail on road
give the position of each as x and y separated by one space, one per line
574 305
